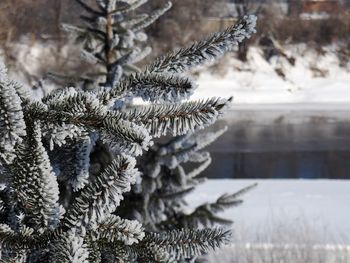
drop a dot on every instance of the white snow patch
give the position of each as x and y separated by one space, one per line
322 203
258 83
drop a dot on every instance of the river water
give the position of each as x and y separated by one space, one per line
274 141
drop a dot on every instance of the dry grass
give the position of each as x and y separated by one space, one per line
285 242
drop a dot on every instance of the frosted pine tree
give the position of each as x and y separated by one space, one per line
158 200
112 39
51 208
119 23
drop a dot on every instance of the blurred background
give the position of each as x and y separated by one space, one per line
290 118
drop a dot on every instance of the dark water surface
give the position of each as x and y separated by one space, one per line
283 143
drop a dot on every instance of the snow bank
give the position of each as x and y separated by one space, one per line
285 204
315 78
254 82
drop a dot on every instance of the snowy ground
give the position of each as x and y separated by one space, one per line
315 78
299 221
296 207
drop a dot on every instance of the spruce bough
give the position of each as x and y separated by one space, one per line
51 208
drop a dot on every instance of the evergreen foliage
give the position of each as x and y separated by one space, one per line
112 39
52 209
167 178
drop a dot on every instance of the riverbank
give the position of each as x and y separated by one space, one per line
292 206
301 221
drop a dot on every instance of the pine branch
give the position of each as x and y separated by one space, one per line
172 159
118 253
140 55
151 18
9 213
136 138
21 91
97 32
12 125
225 200
128 23
187 149
115 71
72 162
152 254
185 244
163 169
115 33
8 237
69 81
156 87
18 256
84 111
102 5
177 195
85 34
211 48
99 199
130 57
129 7
69 248
177 118
28 240
91 58
152 87
94 252
202 140
206 214
199 169
115 229
35 184
60 95
60 135
25 238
